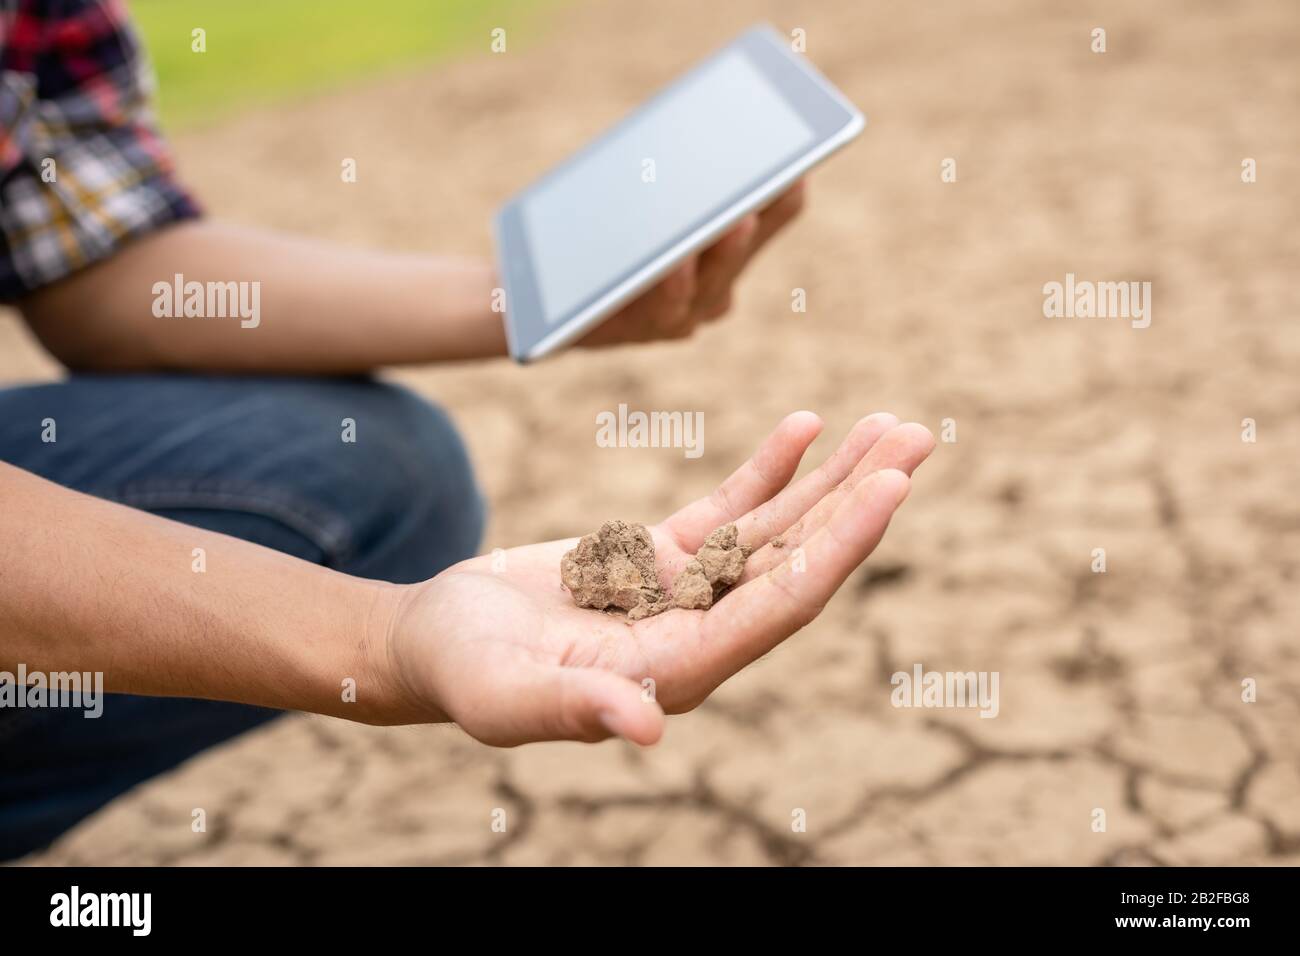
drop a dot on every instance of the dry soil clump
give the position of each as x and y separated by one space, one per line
614 568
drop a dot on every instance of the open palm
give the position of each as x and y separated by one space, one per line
497 644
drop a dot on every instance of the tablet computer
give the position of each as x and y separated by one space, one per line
665 182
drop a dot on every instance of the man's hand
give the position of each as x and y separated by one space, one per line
500 648
506 654
698 290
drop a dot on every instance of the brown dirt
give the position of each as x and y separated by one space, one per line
1120 691
717 566
614 569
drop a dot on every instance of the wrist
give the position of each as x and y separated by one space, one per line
494 336
468 293
392 696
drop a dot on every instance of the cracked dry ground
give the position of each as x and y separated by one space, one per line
1119 691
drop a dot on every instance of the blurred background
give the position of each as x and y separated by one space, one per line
1120 691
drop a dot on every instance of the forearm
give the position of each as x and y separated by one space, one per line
104 588
322 308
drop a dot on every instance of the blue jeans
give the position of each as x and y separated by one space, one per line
261 459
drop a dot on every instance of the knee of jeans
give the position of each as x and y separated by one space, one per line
433 514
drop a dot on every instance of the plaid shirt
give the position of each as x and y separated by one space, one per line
82 168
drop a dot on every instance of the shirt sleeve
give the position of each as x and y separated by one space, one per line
82 167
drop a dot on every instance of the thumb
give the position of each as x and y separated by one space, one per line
579 703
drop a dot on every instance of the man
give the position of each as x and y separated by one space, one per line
216 547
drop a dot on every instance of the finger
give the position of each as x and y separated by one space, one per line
670 309
576 703
758 479
714 300
776 515
755 617
719 266
663 311
902 448
779 214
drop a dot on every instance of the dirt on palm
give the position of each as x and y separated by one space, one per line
614 569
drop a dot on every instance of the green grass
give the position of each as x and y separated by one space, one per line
262 51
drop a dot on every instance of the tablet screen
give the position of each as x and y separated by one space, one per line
613 208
